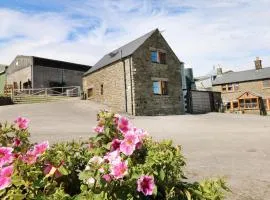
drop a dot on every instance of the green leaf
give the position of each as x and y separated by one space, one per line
155 191
63 170
161 174
17 181
188 195
18 196
84 188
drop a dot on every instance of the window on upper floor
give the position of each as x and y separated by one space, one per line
162 57
230 87
154 56
160 87
236 86
266 83
158 57
223 88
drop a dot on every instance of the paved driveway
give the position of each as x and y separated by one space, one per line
215 144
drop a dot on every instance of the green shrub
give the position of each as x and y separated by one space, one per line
120 162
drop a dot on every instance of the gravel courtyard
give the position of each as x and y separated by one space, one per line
234 146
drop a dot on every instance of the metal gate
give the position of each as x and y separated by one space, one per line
35 95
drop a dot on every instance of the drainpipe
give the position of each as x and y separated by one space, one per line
131 85
125 81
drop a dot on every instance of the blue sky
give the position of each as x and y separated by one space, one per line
230 33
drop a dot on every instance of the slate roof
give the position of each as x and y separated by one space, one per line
125 50
243 76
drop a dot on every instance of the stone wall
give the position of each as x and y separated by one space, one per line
112 79
44 75
252 86
128 86
144 71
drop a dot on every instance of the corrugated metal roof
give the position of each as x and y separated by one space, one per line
243 76
125 50
60 64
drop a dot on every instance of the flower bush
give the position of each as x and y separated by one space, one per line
120 162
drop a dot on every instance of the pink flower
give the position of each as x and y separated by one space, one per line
128 145
6 156
107 177
99 129
30 157
123 125
116 118
16 142
6 171
139 145
112 157
119 169
22 122
5 177
115 144
140 132
41 147
145 184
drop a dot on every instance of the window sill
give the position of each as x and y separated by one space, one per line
225 92
265 88
161 95
159 64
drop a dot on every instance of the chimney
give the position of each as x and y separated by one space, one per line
219 71
258 63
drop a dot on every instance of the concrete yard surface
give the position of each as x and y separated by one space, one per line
215 144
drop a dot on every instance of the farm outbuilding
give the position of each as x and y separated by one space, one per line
35 72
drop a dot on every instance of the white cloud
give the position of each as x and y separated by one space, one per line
227 32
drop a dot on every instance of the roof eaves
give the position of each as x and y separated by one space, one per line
242 81
96 70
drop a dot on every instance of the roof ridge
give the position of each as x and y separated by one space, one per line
243 76
150 33
247 70
126 50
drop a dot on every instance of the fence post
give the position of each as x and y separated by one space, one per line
46 92
79 90
12 94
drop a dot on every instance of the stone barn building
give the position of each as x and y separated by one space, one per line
142 77
36 72
245 91
3 69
